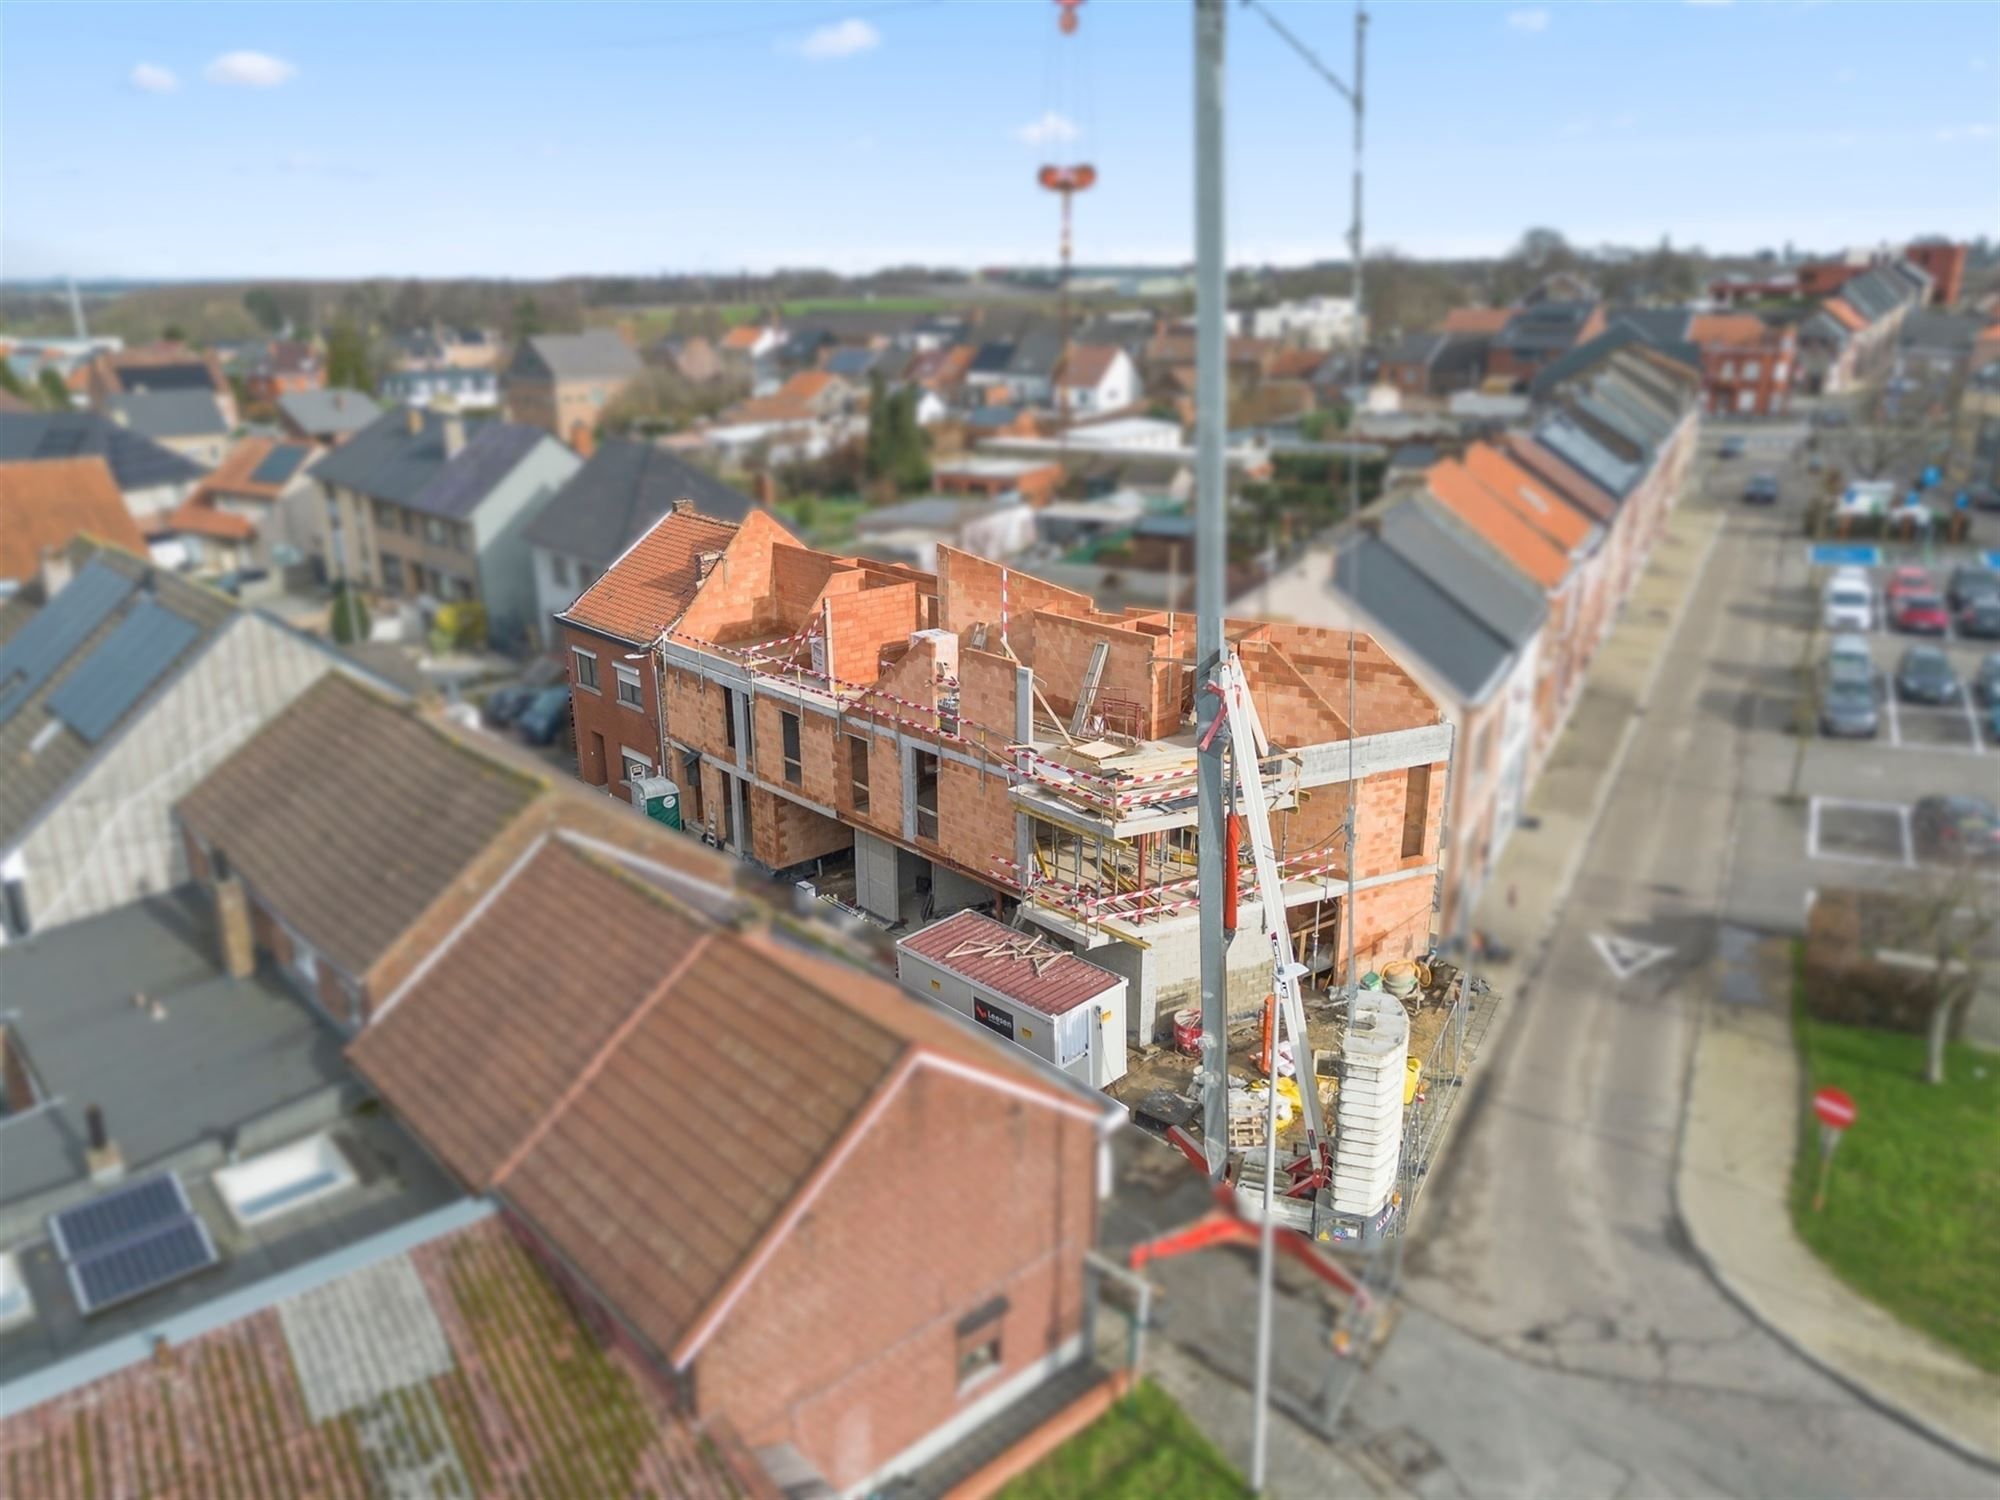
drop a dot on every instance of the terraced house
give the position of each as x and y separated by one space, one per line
917 743
432 508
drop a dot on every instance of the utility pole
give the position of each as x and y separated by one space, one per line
1359 341
1211 541
76 311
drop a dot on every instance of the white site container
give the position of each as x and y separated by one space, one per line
17 1303
1058 1007
1368 1138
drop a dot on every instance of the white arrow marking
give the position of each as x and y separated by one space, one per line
1625 957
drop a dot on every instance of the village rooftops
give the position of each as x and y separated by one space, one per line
137 462
46 505
449 1365
316 815
130 1011
547 1072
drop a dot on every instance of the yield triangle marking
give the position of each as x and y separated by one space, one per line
1625 957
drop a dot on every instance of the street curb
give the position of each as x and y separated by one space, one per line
1725 1284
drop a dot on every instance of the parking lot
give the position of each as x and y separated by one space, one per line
1839 810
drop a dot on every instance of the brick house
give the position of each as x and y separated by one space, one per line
924 742
156 369
728 1150
1540 333
561 382
608 634
1944 263
1747 363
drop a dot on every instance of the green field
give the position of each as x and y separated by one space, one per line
1912 1218
826 520
1144 1448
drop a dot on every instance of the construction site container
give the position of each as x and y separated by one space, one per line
1058 1007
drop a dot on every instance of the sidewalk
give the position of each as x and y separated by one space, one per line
1739 1134
1539 864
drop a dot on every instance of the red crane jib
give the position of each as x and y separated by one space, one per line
1067 179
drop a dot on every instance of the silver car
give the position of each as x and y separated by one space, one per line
1847 703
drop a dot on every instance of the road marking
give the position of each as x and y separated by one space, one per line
1901 810
1895 724
1625 957
1972 720
1909 841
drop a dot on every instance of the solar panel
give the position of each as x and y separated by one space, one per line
155 1259
122 669
135 1209
62 442
42 645
279 465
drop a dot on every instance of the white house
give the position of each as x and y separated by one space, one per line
1315 322
1098 378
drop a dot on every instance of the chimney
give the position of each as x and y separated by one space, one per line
232 923
57 570
122 417
705 562
454 435
102 1156
766 493
413 420
684 507
582 440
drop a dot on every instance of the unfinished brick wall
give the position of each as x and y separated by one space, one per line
860 622
988 685
784 834
969 594
817 775
1386 697
698 713
846 1344
737 599
975 820
1393 921
1063 649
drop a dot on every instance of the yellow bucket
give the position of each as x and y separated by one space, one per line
1413 1074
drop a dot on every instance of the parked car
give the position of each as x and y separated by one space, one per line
1732 447
1830 416
1924 675
1847 707
1980 620
504 704
1847 603
1968 584
1761 490
1919 614
1956 828
1849 654
542 721
1908 579
1986 680
1984 497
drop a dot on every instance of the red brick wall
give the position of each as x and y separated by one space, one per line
600 713
1063 648
975 819
969 592
845 1345
784 834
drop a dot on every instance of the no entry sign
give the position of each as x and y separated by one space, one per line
1834 1107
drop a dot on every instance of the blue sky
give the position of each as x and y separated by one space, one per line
531 140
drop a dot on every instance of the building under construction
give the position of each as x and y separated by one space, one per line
920 743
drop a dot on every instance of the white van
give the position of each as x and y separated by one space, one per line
1847 604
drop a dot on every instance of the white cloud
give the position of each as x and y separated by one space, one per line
154 79
249 70
1535 18
1954 133
1051 127
840 39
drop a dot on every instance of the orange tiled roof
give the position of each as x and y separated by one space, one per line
1486 513
1295 364
1846 315
1475 320
1528 497
49 502
1735 329
743 336
232 475
652 585
201 518
1089 363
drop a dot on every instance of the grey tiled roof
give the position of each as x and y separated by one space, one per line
329 412
621 490
596 354
1490 588
387 461
488 457
136 461
1426 619
170 414
34 777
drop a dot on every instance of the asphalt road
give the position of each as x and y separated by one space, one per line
1557 1337
1561 1338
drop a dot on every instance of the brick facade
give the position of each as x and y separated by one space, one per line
846 1344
